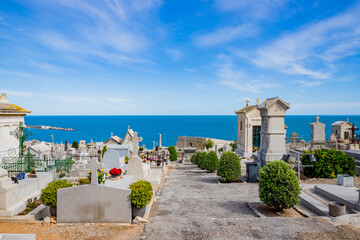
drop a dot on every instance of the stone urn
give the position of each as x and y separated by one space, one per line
53 211
138 212
337 208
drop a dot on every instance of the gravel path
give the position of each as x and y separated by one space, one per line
192 205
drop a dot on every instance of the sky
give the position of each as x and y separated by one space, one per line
171 57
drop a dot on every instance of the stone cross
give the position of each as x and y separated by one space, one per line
135 141
247 102
94 166
317 118
258 101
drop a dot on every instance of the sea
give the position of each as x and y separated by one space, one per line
99 128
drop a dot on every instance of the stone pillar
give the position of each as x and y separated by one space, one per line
273 131
317 132
160 141
294 138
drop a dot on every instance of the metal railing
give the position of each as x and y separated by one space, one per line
27 163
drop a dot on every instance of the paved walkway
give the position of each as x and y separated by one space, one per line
192 205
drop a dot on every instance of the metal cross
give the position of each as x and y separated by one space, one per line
21 133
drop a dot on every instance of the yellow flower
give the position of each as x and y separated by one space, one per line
89 171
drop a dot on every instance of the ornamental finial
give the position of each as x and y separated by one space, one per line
258 101
247 102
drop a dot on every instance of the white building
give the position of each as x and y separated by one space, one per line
10 117
342 130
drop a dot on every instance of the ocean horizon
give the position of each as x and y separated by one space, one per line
99 127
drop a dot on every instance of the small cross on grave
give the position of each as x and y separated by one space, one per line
94 166
135 141
317 118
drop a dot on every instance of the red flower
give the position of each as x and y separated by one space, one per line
115 171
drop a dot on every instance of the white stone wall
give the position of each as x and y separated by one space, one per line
7 124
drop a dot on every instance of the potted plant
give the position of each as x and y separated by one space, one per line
32 174
115 173
49 194
140 197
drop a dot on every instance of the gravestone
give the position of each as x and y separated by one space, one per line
135 166
94 203
317 132
273 132
112 159
294 138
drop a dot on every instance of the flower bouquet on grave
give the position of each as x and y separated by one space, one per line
32 174
158 162
101 176
115 173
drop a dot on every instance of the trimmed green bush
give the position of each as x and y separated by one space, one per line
329 163
211 161
193 158
49 193
229 167
200 160
126 159
279 186
75 145
173 153
141 193
209 143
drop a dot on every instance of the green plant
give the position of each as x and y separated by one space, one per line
279 186
126 159
229 167
84 181
211 161
49 193
141 149
103 151
220 149
173 153
75 145
193 158
141 193
62 174
200 160
209 143
329 163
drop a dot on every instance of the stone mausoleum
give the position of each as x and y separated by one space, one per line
248 129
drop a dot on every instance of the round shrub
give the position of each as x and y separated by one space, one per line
49 193
200 160
211 161
329 163
173 153
279 186
141 193
193 158
229 167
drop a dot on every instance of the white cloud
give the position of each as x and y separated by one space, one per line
237 80
309 83
200 85
225 35
318 44
175 54
257 10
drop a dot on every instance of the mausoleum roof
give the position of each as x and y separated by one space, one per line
339 123
9 108
246 109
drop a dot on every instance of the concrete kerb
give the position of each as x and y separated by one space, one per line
260 215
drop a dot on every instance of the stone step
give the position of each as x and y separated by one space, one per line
346 195
313 204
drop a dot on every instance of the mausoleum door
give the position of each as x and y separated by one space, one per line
256 136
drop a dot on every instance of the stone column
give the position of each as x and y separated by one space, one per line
273 131
160 141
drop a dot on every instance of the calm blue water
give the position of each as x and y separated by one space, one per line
99 128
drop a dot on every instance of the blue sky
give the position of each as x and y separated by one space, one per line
179 57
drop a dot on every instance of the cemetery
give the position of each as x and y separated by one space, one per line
264 175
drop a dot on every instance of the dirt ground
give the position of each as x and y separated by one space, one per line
344 233
271 212
74 231
328 181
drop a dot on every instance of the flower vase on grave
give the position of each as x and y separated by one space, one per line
115 173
